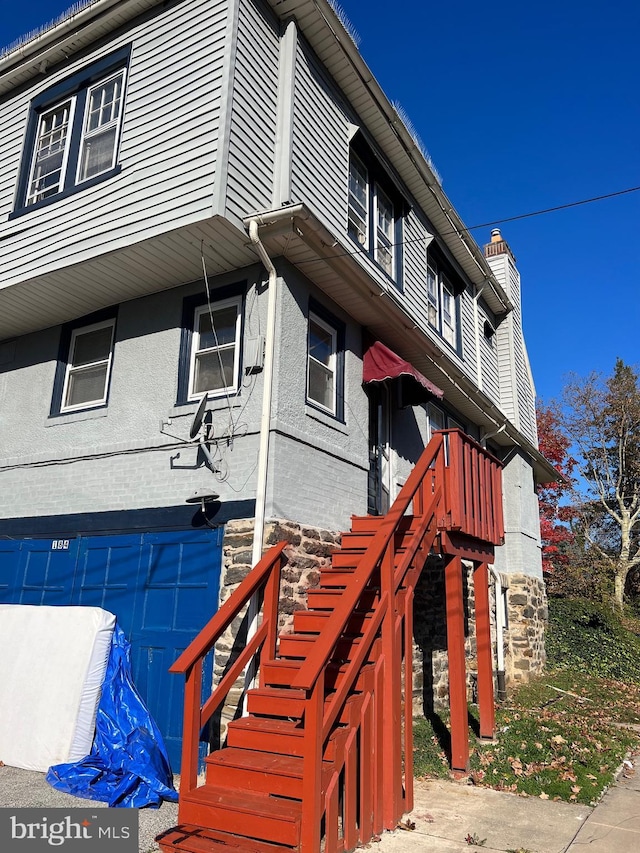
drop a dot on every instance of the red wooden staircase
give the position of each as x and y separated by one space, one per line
323 758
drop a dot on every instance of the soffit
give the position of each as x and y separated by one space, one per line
296 234
159 263
67 37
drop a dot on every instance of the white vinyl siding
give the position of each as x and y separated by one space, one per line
251 164
325 152
167 152
86 380
215 350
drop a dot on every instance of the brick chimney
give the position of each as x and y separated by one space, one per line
497 246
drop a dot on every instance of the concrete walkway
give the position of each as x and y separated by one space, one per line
445 814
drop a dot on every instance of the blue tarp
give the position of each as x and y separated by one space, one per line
128 765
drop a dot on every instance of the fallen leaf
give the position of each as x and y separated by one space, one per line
544 796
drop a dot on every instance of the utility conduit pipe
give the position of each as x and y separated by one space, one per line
500 626
263 447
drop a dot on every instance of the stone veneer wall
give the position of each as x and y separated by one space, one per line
310 549
523 639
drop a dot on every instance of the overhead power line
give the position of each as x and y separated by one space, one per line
553 209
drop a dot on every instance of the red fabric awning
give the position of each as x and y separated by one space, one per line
381 363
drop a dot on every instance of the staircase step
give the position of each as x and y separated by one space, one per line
313 621
243 813
370 524
262 772
281 737
276 702
331 578
188 838
345 560
328 599
279 673
299 646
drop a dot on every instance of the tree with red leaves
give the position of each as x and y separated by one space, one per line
555 514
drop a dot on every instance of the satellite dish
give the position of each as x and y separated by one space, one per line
196 423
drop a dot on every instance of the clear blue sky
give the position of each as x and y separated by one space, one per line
522 106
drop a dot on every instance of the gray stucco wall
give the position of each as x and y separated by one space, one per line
133 452
521 552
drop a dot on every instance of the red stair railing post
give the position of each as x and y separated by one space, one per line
456 480
484 651
457 669
270 612
191 732
392 742
312 800
408 701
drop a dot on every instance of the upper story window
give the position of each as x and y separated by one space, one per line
73 133
325 362
375 211
85 362
211 343
442 304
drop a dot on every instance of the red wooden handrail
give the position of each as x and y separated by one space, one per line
266 574
219 623
321 652
473 489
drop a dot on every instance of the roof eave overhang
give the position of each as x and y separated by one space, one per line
67 36
296 233
326 34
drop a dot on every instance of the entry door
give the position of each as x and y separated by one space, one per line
380 493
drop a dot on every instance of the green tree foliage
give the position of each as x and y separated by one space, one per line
601 416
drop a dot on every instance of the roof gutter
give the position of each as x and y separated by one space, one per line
298 219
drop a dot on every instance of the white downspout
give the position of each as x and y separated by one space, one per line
500 626
263 448
476 324
267 396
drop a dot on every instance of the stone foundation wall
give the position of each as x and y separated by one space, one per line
524 654
523 638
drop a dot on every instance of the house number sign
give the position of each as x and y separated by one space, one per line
60 545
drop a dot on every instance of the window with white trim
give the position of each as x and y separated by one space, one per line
374 218
322 349
215 349
73 133
88 368
442 307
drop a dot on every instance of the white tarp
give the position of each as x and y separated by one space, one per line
52 665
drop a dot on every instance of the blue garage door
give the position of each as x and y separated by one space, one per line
162 587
